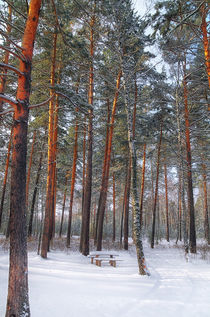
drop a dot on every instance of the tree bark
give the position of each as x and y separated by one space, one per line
63 207
204 12
88 181
192 238
29 170
206 216
50 169
73 177
114 211
142 185
156 187
17 300
30 225
134 192
126 207
166 201
104 186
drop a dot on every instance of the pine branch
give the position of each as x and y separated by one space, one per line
12 68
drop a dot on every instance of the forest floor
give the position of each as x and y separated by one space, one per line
66 284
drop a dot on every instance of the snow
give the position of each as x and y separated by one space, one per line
67 284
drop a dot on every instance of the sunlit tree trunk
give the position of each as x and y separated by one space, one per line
17 300
156 187
204 13
104 187
104 166
50 187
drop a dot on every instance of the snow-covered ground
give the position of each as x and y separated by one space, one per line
68 285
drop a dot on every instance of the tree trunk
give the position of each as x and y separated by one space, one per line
166 201
114 211
34 196
83 184
104 165
192 240
126 208
206 216
88 181
29 170
183 219
50 169
5 176
134 192
17 300
63 207
156 187
73 177
142 185
104 186
204 12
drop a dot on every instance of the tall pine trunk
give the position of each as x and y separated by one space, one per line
192 237
137 229
88 180
204 12
156 187
50 169
166 201
30 225
17 300
73 178
142 185
105 180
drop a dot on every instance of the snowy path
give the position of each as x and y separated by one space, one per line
67 285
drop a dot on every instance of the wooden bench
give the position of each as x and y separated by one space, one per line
101 256
111 261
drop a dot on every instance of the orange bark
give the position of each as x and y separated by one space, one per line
205 40
17 300
50 187
29 170
104 190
